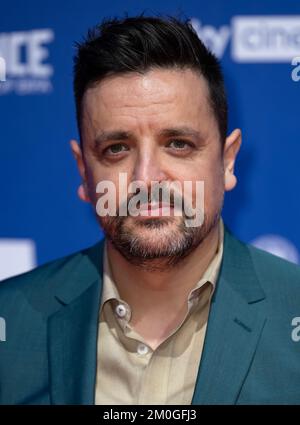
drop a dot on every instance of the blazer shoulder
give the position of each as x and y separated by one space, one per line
47 275
277 275
278 278
272 263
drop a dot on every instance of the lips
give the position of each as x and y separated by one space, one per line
155 206
161 209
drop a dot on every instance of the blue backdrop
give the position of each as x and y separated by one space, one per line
41 216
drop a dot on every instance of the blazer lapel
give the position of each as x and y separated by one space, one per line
236 320
72 332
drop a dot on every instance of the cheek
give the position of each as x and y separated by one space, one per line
97 171
214 191
113 185
107 179
213 186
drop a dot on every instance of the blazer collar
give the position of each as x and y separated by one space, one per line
236 320
79 274
73 330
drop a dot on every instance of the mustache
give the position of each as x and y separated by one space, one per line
151 198
173 199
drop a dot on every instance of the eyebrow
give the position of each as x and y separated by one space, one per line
119 135
105 136
180 131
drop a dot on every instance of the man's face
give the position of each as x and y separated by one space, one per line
156 127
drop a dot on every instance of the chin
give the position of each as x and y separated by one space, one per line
157 239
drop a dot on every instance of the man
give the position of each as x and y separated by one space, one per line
159 312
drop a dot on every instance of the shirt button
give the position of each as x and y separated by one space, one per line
142 349
121 310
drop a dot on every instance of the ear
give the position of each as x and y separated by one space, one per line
77 153
231 148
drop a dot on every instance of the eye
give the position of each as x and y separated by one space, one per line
115 149
178 144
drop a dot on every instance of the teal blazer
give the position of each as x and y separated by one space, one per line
250 355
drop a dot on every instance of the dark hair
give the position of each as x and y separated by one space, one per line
138 44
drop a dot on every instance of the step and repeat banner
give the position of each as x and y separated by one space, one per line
258 43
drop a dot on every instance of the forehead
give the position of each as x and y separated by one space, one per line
155 96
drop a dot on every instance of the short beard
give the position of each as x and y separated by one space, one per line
172 248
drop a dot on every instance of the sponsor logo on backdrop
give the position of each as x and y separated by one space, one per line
25 63
265 38
216 39
279 246
2 69
17 256
26 68
254 38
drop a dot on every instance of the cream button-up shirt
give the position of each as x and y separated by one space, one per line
128 370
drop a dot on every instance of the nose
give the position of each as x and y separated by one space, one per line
148 167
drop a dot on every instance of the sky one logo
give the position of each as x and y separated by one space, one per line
26 56
262 39
216 39
2 330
